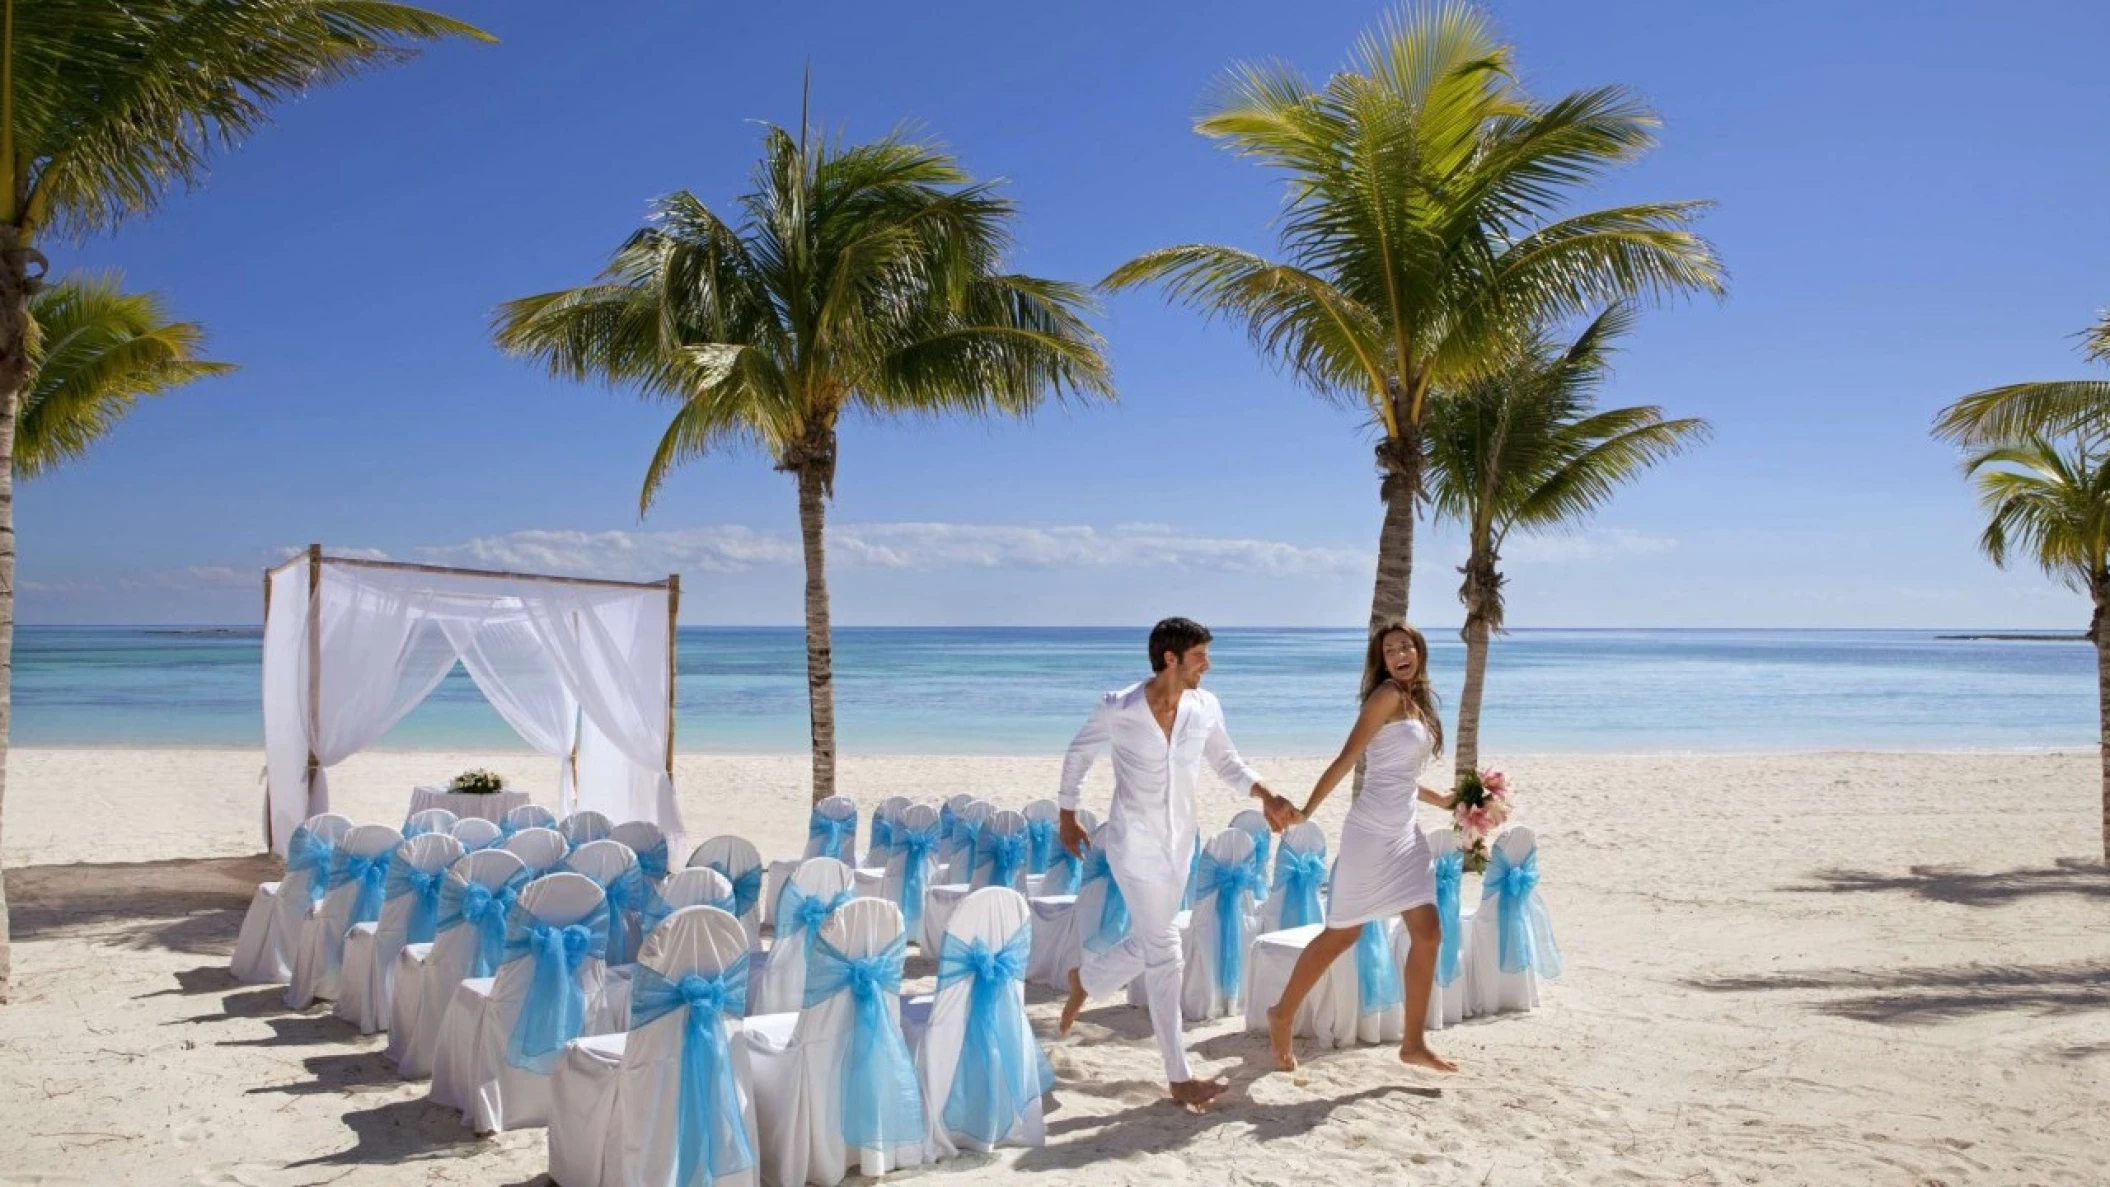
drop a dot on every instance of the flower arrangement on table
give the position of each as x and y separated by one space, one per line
478 782
1482 809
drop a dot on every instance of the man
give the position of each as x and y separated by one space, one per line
1160 731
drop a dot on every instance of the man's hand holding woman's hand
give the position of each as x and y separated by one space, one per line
1280 813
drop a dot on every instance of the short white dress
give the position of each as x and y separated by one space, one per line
1385 866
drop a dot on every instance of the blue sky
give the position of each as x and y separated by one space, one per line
1910 205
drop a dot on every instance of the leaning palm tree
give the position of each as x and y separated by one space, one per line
95 351
2016 411
1524 449
1423 235
107 105
2050 505
858 279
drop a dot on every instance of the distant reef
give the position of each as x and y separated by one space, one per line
2020 638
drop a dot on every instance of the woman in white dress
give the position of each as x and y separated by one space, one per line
1385 867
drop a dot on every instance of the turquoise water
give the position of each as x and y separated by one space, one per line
1023 690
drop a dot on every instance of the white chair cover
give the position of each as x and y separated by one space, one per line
1297 872
827 885
263 952
649 843
912 867
366 984
879 846
1043 818
470 1070
965 844
741 863
529 816
431 820
617 1098
614 868
542 850
583 826
319 954
1447 1003
1215 976
1331 1013
831 829
1000 1103
474 832
426 974
1058 922
1003 853
700 886
799 1061
1490 989
1254 824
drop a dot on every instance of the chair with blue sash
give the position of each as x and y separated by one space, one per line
1055 943
410 907
1004 853
1043 840
1510 943
1254 825
1299 872
431 820
475 899
542 850
914 867
879 843
527 816
474 832
668 1101
614 868
741 863
503 1035
815 893
835 1085
650 843
964 842
984 1074
831 829
358 874
1221 928
999 840
583 826
698 886
263 952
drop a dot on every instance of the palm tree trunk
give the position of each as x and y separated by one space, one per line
1400 463
1466 750
820 662
2102 695
15 288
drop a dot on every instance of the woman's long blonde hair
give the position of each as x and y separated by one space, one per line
1421 695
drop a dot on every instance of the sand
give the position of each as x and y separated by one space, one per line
1836 968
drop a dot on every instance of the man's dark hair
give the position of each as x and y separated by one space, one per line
1176 635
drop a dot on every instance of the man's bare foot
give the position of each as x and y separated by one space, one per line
1279 1040
1196 1095
1419 1055
1074 1006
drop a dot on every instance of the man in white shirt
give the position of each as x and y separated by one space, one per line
1160 732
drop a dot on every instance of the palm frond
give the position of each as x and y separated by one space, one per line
2049 504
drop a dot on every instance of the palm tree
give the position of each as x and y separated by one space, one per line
2019 410
94 351
864 278
1524 449
107 105
1422 235
2051 505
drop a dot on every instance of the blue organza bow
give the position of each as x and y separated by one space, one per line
747 888
947 818
622 897
1450 873
423 889
554 1011
1112 926
311 854
914 847
478 906
1042 840
710 1137
800 915
1063 874
1005 856
1262 840
1526 928
881 1100
1231 885
1377 972
1002 1069
966 838
652 860
1194 877
833 832
1298 874
882 842
371 873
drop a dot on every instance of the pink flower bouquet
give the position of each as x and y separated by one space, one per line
1482 809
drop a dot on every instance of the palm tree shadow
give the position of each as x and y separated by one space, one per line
1946 884
187 904
1160 1126
415 1130
206 978
1916 996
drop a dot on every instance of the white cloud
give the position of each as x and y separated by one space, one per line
641 556
990 546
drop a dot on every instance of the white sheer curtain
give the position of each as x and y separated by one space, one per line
286 803
506 659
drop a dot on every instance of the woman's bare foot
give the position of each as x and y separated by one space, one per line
1072 1007
1196 1095
1279 1039
1419 1055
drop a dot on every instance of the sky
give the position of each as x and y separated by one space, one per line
1909 203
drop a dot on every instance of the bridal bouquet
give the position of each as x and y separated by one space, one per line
1482 809
478 782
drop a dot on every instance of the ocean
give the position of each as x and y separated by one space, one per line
1023 690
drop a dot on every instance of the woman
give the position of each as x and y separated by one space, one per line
1385 867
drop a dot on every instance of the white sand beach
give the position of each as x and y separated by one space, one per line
1827 968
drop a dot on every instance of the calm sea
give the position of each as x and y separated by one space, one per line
1023 690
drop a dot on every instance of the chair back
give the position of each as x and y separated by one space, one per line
1292 894
1226 898
309 853
474 832
1043 834
583 826
831 829
540 849
528 816
885 818
966 842
821 887
741 863
697 886
649 842
913 867
1065 870
524 1004
1002 855
614 868
460 949
410 900
431 820
981 1068
687 1115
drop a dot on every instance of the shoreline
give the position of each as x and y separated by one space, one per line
1056 752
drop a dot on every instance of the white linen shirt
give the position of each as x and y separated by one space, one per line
1150 829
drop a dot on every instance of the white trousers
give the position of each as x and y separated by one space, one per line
1151 949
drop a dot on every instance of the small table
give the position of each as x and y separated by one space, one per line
492 807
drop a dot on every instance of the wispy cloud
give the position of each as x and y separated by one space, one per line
640 556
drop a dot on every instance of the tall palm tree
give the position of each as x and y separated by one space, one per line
94 351
863 278
2016 411
1525 449
2050 504
107 105
1423 234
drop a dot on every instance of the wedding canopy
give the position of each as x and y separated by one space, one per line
582 669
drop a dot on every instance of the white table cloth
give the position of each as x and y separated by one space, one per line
492 807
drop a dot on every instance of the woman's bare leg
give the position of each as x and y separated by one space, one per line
1424 935
1312 964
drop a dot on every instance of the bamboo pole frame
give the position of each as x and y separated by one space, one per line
673 614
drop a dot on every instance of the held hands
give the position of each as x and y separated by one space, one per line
1280 813
1073 835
